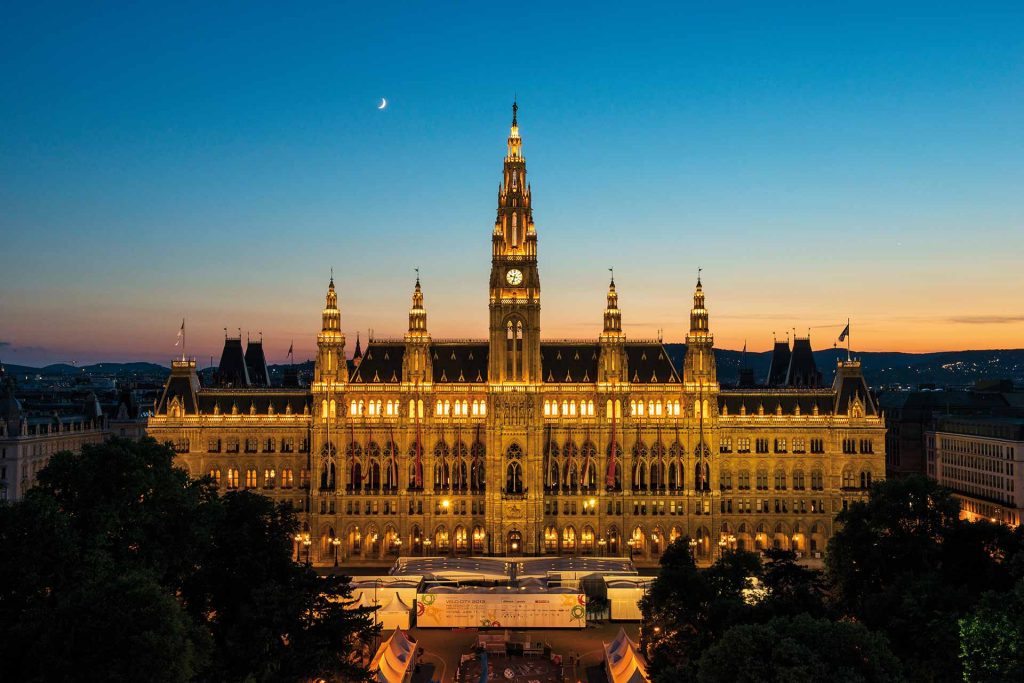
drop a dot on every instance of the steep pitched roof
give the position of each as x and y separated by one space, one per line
750 401
568 362
649 363
253 401
232 371
779 365
802 370
458 362
381 363
256 364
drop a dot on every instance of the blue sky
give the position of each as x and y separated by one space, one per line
819 160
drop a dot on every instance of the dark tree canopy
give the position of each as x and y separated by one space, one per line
797 650
903 563
910 592
118 566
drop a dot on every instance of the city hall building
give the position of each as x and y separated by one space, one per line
516 444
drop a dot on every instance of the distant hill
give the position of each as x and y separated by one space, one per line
885 367
881 367
64 369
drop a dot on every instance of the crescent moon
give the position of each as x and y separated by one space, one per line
383 103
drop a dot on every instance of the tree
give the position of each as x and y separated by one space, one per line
686 609
904 563
118 565
992 639
792 588
801 648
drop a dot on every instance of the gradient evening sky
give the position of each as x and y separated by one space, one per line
213 161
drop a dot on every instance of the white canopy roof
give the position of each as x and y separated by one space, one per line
393 659
396 606
622 661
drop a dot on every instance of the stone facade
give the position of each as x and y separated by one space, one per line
515 444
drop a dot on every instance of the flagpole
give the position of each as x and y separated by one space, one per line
847 340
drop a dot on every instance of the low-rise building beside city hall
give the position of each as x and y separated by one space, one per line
516 444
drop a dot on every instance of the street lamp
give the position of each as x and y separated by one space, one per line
693 549
600 546
426 544
446 504
335 541
308 542
631 542
298 546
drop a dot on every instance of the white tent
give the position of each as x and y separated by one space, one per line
393 661
624 594
623 663
395 614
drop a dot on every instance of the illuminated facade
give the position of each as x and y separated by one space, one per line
514 444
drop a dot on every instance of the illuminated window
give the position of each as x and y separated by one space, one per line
250 478
232 478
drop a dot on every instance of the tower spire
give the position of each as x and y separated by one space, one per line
417 314
416 363
612 314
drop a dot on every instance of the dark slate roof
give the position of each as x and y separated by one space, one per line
568 362
649 363
802 371
232 371
731 402
256 364
381 363
183 384
850 383
459 361
779 365
248 399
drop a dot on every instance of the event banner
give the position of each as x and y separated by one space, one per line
506 610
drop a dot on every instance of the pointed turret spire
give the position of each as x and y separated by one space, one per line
417 314
514 229
416 363
698 314
699 365
331 315
330 365
358 353
612 315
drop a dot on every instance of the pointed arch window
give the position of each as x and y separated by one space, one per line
514 470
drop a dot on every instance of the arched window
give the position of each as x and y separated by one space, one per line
442 467
327 472
460 471
476 468
514 469
780 480
865 479
848 478
676 478
514 477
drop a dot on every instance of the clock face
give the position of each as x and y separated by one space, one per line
514 277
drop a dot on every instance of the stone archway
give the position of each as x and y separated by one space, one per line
514 543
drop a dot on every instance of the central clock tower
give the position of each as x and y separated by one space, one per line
515 282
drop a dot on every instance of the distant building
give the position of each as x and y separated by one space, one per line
981 459
33 428
910 414
516 444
